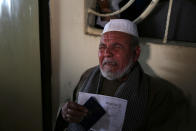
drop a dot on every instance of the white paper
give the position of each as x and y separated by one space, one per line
115 111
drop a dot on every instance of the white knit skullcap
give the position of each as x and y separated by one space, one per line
121 25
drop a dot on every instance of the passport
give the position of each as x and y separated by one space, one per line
95 112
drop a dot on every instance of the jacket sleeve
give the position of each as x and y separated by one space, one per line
168 109
61 124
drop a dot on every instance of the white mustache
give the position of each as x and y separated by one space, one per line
106 61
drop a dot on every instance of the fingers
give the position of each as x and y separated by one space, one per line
73 112
75 106
70 118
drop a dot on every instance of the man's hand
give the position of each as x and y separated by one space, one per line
73 112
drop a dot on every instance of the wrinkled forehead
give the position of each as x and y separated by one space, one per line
115 35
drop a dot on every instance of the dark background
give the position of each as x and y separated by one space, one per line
182 22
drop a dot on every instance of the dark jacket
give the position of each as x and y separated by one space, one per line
167 106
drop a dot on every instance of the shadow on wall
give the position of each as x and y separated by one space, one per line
177 59
143 59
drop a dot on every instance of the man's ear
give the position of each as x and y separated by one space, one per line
136 53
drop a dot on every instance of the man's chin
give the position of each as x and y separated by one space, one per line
110 75
109 68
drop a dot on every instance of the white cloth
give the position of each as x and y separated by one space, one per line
121 25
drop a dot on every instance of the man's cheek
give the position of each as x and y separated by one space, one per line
100 55
100 61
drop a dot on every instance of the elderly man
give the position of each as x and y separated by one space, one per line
153 104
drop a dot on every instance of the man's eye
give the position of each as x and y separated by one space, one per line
118 46
101 47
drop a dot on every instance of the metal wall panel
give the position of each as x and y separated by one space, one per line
20 79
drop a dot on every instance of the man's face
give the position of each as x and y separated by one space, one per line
115 52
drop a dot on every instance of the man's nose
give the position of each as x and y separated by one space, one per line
108 52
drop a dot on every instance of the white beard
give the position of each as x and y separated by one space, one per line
118 74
